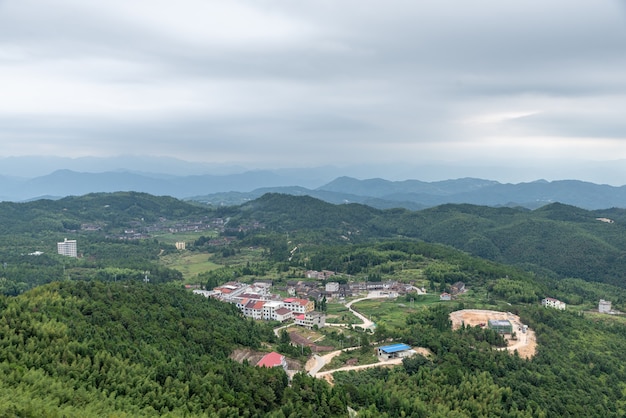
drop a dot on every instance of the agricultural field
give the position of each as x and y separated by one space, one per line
190 264
393 312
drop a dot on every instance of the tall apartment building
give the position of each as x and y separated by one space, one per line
67 248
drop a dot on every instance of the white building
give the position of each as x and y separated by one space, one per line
270 308
332 287
283 314
553 303
299 306
604 306
310 319
67 248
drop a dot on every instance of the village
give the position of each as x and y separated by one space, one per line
257 301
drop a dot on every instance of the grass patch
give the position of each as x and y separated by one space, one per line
339 314
393 312
190 264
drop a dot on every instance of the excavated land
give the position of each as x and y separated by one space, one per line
526 343
298 339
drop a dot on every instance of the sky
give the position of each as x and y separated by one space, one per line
504 90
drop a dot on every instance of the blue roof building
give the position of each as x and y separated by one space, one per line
395 351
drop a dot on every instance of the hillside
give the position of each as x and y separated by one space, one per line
89 349
557 239
568 241
95 338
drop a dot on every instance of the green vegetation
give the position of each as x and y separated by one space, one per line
88 337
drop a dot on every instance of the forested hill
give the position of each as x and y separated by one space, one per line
91 349
557 238
104 209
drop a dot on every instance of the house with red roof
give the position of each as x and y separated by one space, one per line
273 359
299 306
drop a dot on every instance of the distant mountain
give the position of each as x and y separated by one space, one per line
416 195
70 183
235 189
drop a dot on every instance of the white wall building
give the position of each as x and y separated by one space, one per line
67 248
332 287
310 319
270 308
299 306
604 306
553 303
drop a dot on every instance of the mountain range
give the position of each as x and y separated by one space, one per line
234 189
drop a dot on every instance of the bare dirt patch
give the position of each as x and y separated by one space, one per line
526 343
252 356
300 340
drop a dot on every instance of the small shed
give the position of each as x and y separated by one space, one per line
501 326
395 351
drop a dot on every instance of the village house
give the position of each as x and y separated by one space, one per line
273 359
553 303
283 314
311 319
319 275
299 306
604 306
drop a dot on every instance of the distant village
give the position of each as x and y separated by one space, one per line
139 230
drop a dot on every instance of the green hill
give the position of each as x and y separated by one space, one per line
90 349
566 240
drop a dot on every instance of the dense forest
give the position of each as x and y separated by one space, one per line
91 336
94 349
564 240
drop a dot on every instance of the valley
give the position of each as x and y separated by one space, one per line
119 329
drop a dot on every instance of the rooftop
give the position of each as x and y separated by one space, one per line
272 359
394 348
500 322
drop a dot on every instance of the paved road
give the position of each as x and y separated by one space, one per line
277 330
367 324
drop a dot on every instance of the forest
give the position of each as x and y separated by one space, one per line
90 337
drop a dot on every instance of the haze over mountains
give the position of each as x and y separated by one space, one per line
232 185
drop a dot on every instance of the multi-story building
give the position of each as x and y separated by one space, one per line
270 308
310 319
67 248
553 303
604 306
299 306
332 287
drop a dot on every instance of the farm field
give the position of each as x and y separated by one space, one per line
393 311
190 264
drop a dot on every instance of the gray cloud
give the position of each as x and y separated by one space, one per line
278 82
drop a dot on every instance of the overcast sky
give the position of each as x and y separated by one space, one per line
483 83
